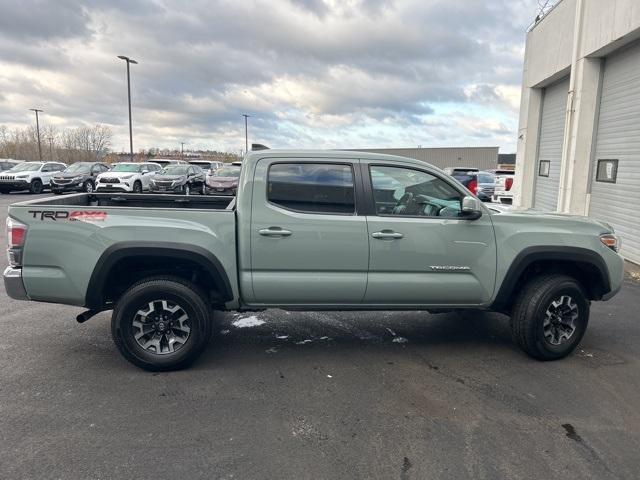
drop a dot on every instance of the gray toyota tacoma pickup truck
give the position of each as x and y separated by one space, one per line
309 230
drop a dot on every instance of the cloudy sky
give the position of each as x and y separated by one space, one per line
311 73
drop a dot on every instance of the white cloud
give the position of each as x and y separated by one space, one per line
312 73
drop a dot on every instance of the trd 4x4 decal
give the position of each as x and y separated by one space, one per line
83 215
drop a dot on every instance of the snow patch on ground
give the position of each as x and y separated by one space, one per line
224 332
271 350
302 342
399 340
282 337
246 322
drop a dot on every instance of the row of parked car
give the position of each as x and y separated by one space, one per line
489 186
159 176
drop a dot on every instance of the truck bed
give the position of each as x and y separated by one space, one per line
68 234
202 202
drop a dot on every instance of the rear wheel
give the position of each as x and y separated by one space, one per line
36 187
550 317
161 323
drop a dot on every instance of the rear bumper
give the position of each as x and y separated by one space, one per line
13 283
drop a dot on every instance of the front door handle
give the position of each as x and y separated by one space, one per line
387 235
274 232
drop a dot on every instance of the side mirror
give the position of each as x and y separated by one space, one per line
471 208
144 172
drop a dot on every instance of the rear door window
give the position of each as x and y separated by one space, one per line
312 187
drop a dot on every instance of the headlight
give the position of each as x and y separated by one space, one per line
126 177
24 175
612 241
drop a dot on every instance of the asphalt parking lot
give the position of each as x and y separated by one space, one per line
320 395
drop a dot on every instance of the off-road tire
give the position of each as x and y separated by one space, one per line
172 289
529 313
36 187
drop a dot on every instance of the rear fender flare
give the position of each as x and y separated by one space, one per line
94 297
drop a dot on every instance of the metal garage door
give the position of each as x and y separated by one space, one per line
615 184
547 172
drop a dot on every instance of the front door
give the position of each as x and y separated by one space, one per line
308 245
422 252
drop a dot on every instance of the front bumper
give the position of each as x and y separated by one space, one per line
221 190
166 189
14 184
13 283
65 187
113 187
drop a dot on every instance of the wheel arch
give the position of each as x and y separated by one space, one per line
153 258
587 266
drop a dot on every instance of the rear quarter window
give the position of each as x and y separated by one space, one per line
312 187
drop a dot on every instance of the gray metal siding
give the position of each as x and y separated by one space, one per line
554 105
618 137
479 157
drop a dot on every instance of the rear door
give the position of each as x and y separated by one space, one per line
421 251
308 245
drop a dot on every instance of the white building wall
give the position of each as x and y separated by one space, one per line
603 26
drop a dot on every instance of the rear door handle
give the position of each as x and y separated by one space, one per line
387 235
274 232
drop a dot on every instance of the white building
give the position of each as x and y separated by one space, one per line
579 133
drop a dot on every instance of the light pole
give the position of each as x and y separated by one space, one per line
182 150
246 132
38 131
129 60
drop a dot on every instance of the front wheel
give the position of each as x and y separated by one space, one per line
88 186
550 317
161 323
137 187
36 187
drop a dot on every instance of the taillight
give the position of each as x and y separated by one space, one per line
473 186
16 234
508 183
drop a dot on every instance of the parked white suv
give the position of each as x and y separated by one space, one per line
127 177
32 176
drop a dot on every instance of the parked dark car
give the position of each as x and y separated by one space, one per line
7 164
207 165
179 178
164 162
224 181
481 184
78 177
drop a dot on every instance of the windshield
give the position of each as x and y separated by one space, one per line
126 167
229 171
27 167
79 168
174 170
